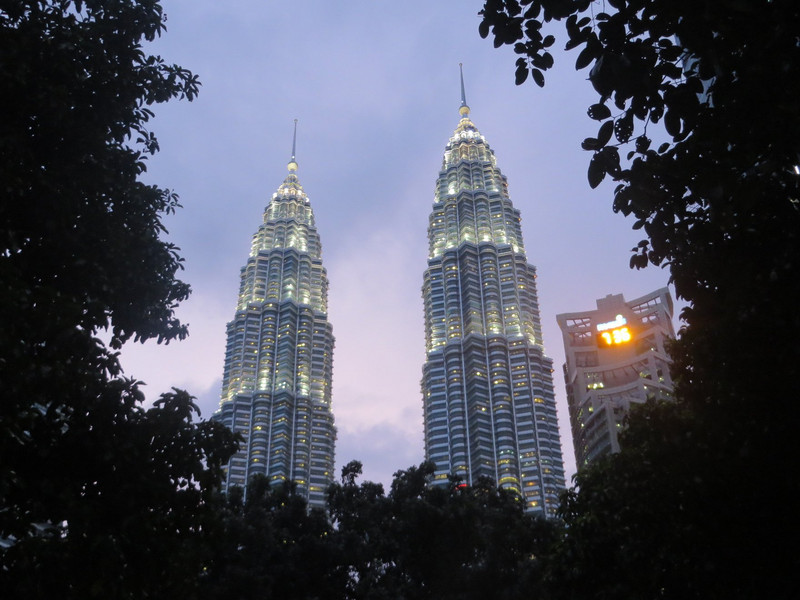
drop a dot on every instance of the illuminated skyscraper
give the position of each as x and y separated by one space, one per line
489 406
615 358
276 387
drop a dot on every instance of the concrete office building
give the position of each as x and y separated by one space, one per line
615 357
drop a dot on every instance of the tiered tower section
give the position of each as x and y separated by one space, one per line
276 387
489 406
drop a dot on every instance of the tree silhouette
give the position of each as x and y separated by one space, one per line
99 497
701 483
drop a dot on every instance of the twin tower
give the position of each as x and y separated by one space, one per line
487 386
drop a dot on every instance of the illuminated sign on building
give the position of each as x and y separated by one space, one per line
613 332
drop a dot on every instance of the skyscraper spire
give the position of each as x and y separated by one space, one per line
293 162
276 384
487 385
464 108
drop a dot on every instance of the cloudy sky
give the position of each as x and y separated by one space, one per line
375 87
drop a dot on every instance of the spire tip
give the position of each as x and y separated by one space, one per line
292 162
463 110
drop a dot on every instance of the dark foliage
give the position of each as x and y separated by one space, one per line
419 542
443 541
270 545
98 497
698 503
130 490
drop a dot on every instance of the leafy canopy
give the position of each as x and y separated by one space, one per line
88 477
701 483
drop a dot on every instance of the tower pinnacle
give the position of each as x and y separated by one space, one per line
487 385
463 109
276 383
292 163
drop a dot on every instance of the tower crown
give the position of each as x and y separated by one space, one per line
465 135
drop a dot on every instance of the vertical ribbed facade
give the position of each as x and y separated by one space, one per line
489 405
276 386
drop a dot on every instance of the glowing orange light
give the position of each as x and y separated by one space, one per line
613 337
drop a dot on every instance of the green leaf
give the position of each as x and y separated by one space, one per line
672 123
538 77
591 144
513 7
604 134
623 127
586 56
638 261
596 172
542 61
533 11
610 158
599 111
521 73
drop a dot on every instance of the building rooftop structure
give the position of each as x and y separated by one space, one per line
615 357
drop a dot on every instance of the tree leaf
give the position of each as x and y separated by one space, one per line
672 123
596 172
590 143
599 111
610 157
542 61
642 144
521 74
574 43
604 134
623 127
586 56
533 11
513 7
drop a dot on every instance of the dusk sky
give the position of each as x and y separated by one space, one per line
375 87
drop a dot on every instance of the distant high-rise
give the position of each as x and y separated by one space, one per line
276 387
615 358
489 406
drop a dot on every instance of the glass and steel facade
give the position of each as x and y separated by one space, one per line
487 385
276 387
615 358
